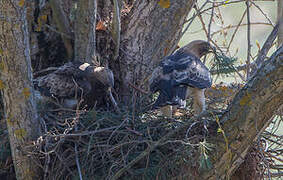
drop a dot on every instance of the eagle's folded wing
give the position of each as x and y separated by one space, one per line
173 76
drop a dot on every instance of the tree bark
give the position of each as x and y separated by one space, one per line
280 20
63 26
85 27
247 116
152 31
16 84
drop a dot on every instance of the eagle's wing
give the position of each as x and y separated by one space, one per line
66 82
174 74
188 70
75 69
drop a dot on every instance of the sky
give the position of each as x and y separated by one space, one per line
231 15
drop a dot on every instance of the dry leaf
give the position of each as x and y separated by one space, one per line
100 26
164 3
44 18
26 92
2 86
22 3
257 44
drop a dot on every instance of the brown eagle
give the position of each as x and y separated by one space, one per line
180 75
76 81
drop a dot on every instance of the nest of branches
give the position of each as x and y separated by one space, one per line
134 145
100 144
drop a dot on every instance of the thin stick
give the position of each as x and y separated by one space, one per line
249 40
77 162
138 89
265 48
192 18
209 26
236 26
113 101
236 30
263 13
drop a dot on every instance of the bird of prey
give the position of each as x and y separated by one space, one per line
182 74
76 81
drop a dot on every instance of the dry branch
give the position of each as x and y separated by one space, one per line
248 115
264 50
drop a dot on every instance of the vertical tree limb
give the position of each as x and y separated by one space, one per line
63 25
116 28
85 27
280 21
18 94
248 62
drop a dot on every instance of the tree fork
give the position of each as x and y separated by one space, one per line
151 31
246 117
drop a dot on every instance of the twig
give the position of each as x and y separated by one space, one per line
264 14
153 146
86 133
236 30
138 89
112 134
249 39
209 26
77 162
236 26
113 101
192 18
264 50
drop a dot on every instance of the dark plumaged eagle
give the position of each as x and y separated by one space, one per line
76 81
180 75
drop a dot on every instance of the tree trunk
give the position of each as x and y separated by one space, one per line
63 26
85 27
247 116
16 84
151 31
280 19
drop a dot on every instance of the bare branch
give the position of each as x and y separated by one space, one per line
116 28
249 39
264 50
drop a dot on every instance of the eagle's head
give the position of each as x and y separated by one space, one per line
102 80
99 74
198 48
104 75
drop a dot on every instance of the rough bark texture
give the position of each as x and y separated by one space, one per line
248 114
151 31
280 19
17 88
63 26
85 25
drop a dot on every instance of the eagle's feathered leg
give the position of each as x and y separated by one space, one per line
198 100
178 100
166 111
